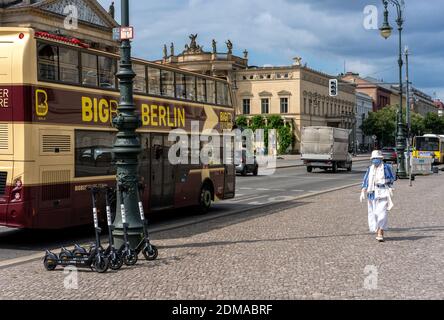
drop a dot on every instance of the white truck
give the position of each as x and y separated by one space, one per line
325 148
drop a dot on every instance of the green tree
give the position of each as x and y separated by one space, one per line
242 122
285 138
382 124
433 123
275 122
417 124
257 122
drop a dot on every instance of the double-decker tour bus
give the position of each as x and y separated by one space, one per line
57 101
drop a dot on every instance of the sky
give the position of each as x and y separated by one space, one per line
328 34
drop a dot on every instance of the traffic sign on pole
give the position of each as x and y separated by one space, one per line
123 33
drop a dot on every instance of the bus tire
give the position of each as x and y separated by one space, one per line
309 169
205 198
334 167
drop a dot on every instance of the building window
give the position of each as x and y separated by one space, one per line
265 105
305 105
246 106
310 106
284 105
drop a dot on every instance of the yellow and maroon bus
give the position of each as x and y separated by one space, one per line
57 101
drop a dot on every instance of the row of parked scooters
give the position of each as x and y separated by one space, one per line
98 258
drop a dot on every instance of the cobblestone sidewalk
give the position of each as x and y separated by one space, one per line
318 249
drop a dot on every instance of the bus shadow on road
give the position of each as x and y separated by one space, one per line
214 220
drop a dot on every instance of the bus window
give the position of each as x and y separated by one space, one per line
190 83
140 79
427 144
94 153
69 62
201 96
107 71
167 81
180 86
47 62
211 91
222 93
154 81
89 69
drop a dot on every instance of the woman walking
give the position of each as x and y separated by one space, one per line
377 185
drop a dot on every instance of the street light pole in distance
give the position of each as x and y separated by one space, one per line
386 31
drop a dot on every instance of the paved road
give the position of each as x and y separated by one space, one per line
316 248
252 192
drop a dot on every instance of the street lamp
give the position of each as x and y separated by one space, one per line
386 31
127 145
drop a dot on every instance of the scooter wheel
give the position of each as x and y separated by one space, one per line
65 256
101 264
150 255
49 264
115 262
79 252
130 258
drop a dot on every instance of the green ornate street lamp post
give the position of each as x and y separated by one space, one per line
127 145
401 139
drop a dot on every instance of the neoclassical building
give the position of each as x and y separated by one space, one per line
93 24
299 94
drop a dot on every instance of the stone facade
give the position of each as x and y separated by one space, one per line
94 23
298 94
364 105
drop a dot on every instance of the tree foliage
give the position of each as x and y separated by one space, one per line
383 124
285 135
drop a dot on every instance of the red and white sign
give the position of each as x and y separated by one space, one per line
126 33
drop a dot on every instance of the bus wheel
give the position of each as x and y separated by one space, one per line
205 199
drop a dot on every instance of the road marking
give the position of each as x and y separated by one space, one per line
245 199
297 190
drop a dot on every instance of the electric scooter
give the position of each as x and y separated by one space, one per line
95 259
148 250
115 260
129 255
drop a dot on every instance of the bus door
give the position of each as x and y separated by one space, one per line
162 174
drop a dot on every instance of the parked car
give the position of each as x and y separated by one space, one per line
389 154
244 167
